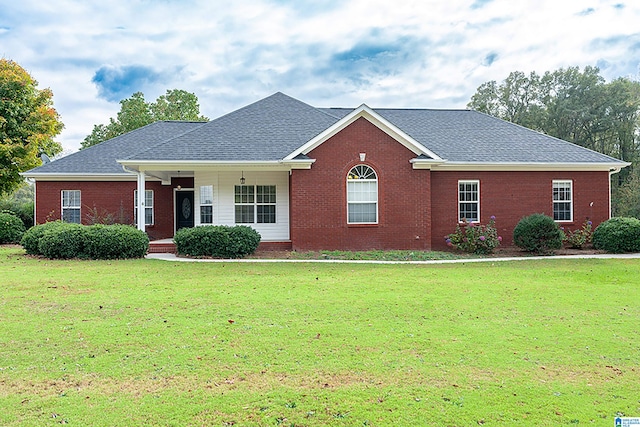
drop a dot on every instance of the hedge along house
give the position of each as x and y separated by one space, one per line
311 178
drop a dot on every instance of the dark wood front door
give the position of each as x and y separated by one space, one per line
184 209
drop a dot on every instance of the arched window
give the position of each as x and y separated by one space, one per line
362 195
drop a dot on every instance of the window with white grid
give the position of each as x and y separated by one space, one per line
255 204
563 200
469 201
362 195
206 204
71 206
148 206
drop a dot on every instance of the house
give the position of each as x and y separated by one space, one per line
310 178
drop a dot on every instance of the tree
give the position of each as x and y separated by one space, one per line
135 112
516 100
28 124
579 107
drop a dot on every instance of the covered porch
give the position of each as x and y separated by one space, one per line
180 194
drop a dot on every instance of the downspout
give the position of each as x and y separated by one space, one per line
612 171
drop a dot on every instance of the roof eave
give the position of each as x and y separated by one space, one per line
194 165
612 167
79 176
426 163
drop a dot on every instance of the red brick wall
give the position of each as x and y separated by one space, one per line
109 198
509 196
318 195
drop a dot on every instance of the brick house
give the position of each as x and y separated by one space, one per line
311 178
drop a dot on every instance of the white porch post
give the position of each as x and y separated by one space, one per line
141 199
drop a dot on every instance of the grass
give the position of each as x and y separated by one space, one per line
145 342
378 255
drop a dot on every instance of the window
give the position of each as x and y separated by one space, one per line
255 204
362 195
71 206
266 204
206 204
562 201
148 206
469 201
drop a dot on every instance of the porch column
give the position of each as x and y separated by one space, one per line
141 198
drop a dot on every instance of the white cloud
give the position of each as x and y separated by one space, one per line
428 54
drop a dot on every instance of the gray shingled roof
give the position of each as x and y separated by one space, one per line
269 129
101 158
470 136
276 126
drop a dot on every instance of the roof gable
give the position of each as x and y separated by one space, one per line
377 120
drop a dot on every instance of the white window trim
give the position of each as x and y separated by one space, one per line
274 204
146 206
468 181
570 201
255 204
64 208
377 202
201 204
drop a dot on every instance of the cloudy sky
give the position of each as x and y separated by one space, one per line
328 53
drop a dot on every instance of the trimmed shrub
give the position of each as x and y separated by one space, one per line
218 241
538 233
11 228
32 237
618 235
116 241
210 240
244 241
64 241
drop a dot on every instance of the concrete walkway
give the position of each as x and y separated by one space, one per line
173 257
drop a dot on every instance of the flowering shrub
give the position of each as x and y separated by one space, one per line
578 238
477 239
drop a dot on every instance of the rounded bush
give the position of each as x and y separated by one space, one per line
618 235
116 241
219 241
64 241
538 233
11 228
243 241
210 240
31 238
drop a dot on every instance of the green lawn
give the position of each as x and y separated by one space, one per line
146 342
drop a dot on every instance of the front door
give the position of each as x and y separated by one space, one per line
184 209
